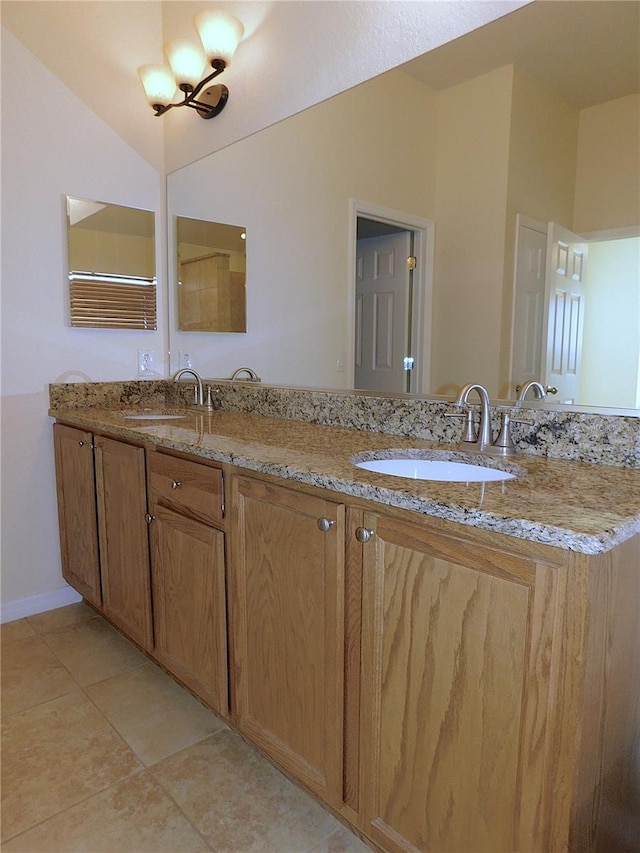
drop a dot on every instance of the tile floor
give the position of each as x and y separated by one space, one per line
102 751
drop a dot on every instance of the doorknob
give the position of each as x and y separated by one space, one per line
325 524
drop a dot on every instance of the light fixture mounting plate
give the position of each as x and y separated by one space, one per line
213 98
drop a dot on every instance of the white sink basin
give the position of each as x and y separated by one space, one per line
152 417
435 469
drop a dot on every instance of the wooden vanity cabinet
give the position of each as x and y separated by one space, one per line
188 574
123 536
453 648
445 689
500 693
286 595
103 533
77 514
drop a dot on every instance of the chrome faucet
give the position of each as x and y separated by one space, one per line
538 389
484 438
199 399
252 376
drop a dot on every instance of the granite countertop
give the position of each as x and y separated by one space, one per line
576 506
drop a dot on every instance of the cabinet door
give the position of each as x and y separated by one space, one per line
75 479
124 539
287 612
448 691
189 603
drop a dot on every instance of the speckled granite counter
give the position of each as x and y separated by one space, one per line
571 505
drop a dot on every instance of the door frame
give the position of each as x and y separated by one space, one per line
423 230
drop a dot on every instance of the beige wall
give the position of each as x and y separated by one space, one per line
290 185
542 165
106 252
608 168
471 195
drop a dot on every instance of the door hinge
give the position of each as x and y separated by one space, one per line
412 262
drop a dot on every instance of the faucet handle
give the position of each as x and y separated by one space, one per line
470 434
504 442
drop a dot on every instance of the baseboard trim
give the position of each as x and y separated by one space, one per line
38 604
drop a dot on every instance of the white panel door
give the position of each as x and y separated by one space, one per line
528 312
382 309
566 275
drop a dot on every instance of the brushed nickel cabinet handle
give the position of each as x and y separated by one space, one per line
325 524
149 518
363 534
175 484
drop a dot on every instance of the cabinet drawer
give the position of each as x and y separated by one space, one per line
185 486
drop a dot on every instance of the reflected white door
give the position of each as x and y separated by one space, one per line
528 314
382 312
564 315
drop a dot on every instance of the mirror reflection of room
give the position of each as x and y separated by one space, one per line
474 133
211 276
111 257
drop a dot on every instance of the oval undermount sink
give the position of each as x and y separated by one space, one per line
140 416
441 470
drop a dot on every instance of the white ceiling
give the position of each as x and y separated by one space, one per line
586 50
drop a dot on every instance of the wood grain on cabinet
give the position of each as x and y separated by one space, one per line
603 712
189 601
189 487
287 615
448 663
76 488
124 540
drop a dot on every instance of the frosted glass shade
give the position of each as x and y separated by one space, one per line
220 33
187 61
159 84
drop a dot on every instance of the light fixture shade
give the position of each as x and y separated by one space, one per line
159 84
220 33
187 61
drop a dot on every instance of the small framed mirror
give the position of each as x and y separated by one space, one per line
211 276
111 255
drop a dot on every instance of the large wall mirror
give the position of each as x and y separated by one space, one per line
111 265
212 266
532 119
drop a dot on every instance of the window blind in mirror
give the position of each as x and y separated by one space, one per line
112 301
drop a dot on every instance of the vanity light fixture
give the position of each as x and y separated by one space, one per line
220 34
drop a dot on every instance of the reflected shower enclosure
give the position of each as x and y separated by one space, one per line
211 276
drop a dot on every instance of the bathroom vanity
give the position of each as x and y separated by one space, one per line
447 666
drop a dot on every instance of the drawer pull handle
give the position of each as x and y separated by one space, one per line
149 518
325 524
175 484
363 534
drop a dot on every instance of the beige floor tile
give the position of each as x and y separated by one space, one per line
18 630
93 650
62 617
31 674
153 714
133 816
239 802
342 841
54 756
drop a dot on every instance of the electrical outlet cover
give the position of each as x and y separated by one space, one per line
145 364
